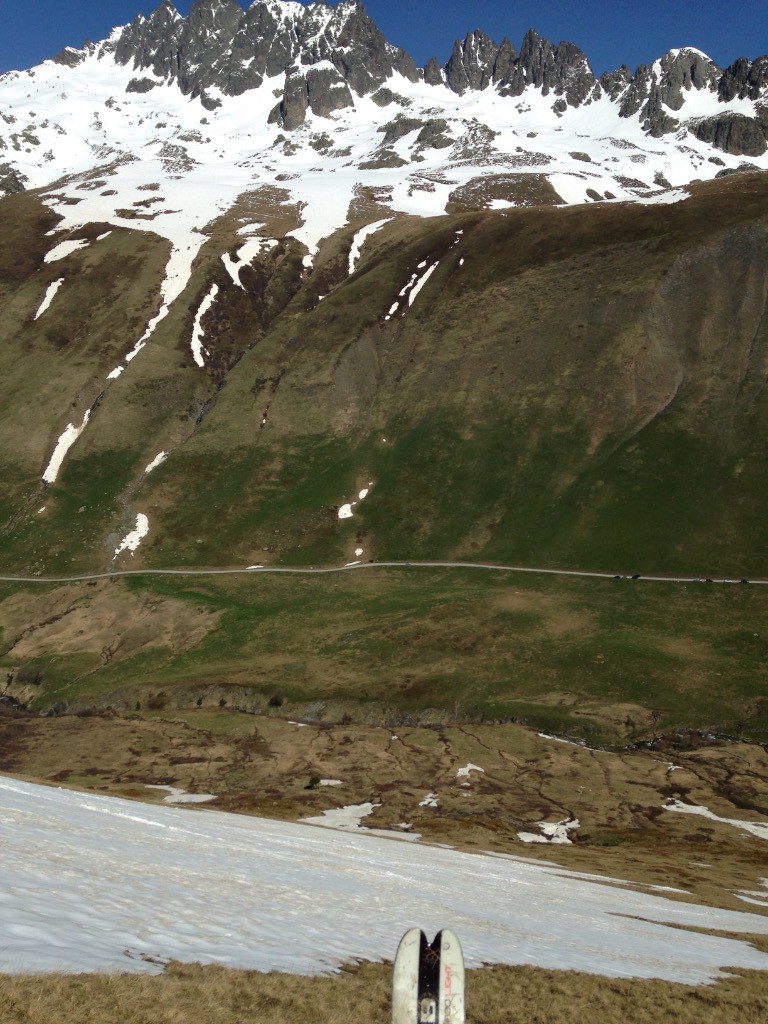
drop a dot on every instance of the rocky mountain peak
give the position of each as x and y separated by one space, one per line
659 88
475 62
323 56
218 46
744 79
562 70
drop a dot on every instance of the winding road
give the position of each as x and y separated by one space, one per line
359 566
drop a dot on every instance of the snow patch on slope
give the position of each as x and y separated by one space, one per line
555 833
757 828
157 461
132 540
49 296
197 331
222 888
348 819
64 443
64 249
359 240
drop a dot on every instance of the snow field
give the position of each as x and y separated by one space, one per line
132 540
93 883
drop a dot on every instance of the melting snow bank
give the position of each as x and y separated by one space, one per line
757 828
63 249
177 274
197 331
421 282
359 239
551 832
347 819
63 445
135 537
759 898
345 511
181 796
245 255
413 287
49 295
157 461
93 883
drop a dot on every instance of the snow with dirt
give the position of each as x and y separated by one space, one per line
94 883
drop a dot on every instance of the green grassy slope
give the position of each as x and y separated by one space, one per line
610 661
580 387
587 389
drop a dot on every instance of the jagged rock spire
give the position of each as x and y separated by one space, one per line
330 54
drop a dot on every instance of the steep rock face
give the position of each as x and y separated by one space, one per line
664 85
152 44
614 83
744 79
205 44
320 89
70 57
477 62
219 46
360 53
562 70
735 133
11 181
263 46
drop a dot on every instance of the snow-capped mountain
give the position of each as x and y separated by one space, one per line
283 91
167 122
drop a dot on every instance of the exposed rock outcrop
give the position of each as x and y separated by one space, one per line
221 47
733 133
11 181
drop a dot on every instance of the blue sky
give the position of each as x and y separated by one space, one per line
610 33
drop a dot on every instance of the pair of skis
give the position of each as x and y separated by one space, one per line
428 980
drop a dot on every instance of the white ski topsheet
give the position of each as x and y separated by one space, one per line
451 979
405 979
96 883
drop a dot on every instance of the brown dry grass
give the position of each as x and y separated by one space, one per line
98 620
501 995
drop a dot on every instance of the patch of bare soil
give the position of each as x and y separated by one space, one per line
521 189
487 784
100 619
267 205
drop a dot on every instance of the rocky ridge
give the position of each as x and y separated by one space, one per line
329 55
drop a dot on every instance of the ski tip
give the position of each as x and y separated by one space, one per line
448 938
